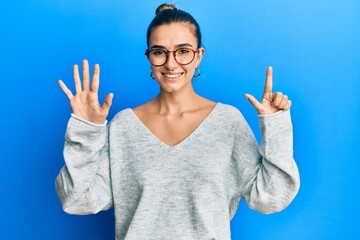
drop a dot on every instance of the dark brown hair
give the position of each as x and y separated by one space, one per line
169 13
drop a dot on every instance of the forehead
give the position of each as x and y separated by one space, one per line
169 35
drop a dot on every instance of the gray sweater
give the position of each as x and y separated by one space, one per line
188 191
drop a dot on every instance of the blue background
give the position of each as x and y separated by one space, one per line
313 46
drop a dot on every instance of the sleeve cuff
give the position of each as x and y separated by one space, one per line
276 131
279 118
88 122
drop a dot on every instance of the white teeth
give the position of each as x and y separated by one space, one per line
172 75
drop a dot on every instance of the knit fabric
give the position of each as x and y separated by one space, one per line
187 191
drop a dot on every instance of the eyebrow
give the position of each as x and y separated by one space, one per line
177 46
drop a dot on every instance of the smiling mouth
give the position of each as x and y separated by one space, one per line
172 75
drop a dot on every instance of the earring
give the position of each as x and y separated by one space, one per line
152 75
197 69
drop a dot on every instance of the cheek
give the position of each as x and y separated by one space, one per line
191 67
155 70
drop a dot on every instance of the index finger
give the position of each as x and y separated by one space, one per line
268 82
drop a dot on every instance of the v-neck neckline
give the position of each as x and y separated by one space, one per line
184 140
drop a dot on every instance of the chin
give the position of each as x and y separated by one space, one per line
170 89
175 87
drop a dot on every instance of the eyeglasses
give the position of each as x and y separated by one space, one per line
158 57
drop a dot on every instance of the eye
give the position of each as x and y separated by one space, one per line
183 51
158 52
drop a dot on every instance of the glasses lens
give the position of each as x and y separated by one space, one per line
184 55
157 57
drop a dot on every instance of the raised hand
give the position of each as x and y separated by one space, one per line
85 103
271 102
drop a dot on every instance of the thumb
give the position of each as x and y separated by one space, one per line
257 105
107 103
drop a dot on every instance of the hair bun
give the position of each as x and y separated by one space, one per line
165 6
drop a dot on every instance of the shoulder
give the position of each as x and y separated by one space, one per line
123 114
238 123
230 112
122 118
227 117
232 116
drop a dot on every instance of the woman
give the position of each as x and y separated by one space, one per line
177 166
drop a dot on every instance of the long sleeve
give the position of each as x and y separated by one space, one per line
268 176
83 184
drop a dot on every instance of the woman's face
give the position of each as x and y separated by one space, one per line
173 76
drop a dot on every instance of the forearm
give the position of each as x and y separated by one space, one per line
83 183
276 178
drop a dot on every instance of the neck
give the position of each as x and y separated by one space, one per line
176 102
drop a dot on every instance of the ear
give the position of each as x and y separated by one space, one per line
199 56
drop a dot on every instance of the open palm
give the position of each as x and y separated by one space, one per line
85 102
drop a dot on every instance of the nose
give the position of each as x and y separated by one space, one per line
171 62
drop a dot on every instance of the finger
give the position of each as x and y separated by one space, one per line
276 99
96 79
67 91
107 103
257 105
268 82
283 102
86 75
288 105
77 78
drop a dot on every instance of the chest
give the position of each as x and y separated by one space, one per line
199 162
172 130
184 168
